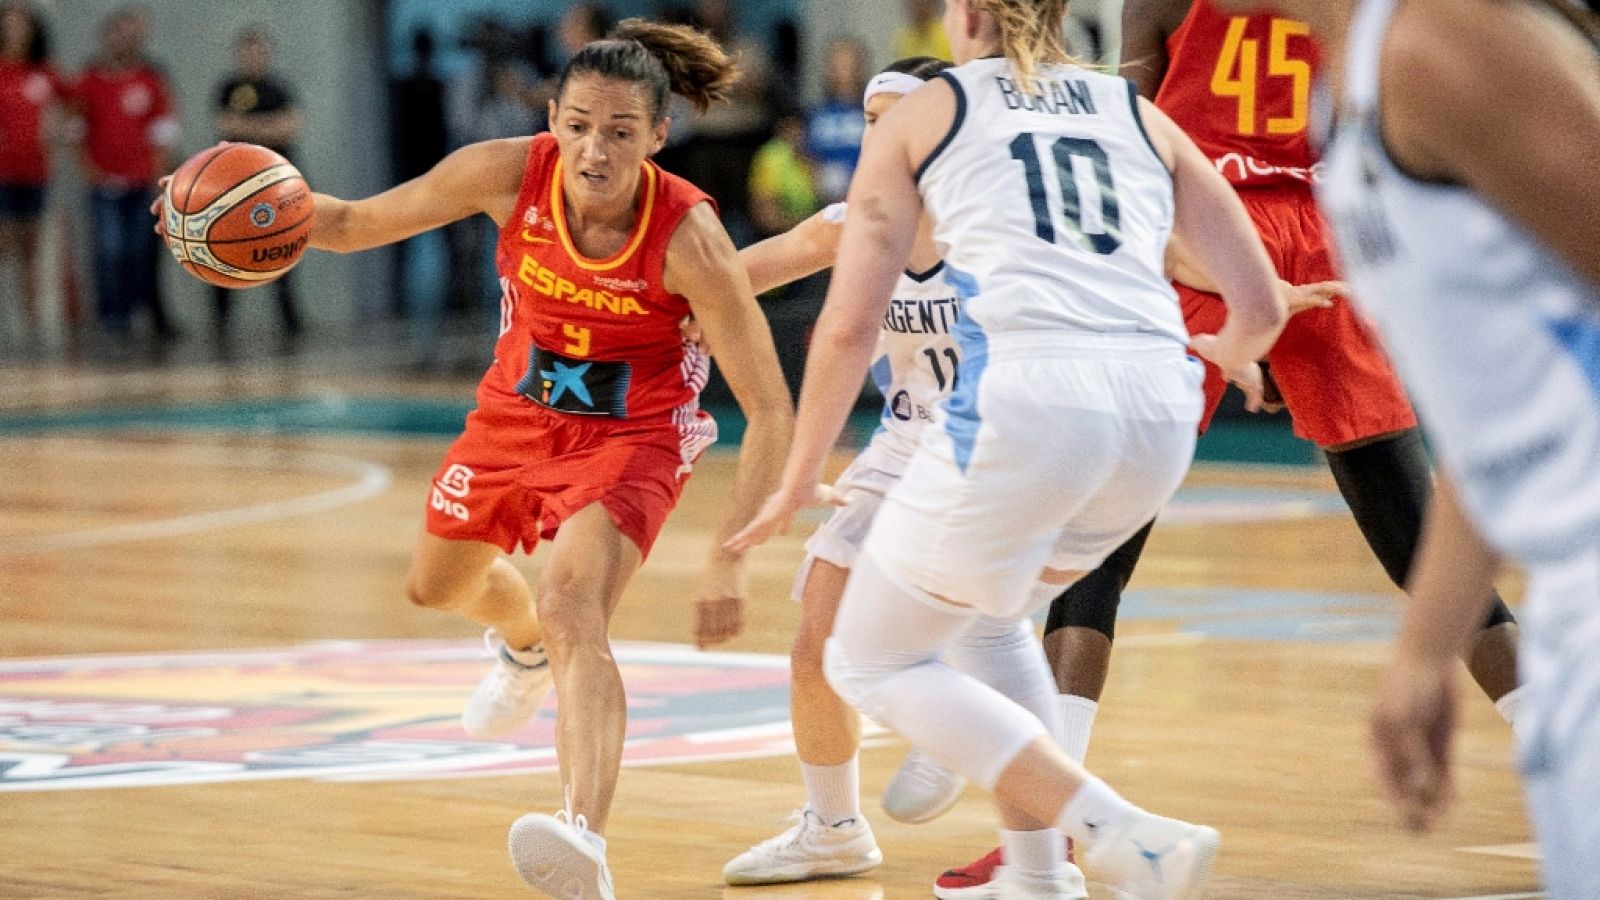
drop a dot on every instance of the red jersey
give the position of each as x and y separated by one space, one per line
1240 86
595 337
128 117
26 91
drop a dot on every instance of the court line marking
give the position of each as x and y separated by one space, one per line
1534 896
1514 851
371 479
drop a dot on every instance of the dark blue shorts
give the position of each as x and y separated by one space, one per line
21 202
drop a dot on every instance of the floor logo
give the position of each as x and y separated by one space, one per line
349 710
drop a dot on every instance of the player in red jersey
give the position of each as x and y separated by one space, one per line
1240 86
588 421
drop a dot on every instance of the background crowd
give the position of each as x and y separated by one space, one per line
782 148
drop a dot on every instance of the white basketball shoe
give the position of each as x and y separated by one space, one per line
556 856
810 848
921 790
1151 857
511 693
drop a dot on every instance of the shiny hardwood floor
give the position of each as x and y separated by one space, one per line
206 538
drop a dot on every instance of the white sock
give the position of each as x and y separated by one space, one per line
833 792
595 839
1094 809
531 658
1077 718
1509 706
1041 853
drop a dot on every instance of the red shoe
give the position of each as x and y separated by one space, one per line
975 881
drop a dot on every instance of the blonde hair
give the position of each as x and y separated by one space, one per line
1030 34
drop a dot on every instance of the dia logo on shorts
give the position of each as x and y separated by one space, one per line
456 480
447 506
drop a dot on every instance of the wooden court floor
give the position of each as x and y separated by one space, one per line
1229 702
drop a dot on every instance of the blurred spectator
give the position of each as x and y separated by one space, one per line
581 24
129 127
29 88
478 109
782 194
726 137
418 138
255 106
923 34
835 126
508 107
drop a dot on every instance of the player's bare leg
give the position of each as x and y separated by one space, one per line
474 580
827 731
590 565
830 836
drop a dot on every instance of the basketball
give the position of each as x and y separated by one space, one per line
237 215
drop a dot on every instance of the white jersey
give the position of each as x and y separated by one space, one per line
1052 208
1497 339
916 362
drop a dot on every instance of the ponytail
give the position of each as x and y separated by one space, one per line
1030 34
665 59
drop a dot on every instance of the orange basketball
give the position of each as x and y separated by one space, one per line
237 215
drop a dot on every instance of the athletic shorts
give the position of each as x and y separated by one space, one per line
864 483
1044 457
520 470
1558 733
1335 380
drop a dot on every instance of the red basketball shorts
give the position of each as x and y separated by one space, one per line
1335 379
520 470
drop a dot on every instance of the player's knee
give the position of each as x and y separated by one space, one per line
805 658
851 680
430 594
571 615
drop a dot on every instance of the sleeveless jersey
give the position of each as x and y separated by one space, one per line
1240 87
1051 207
916 363
1496 337
589 337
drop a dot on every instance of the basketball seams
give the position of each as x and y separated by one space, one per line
193 182
241 192
260 237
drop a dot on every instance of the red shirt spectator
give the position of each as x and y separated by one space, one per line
129 122
27 90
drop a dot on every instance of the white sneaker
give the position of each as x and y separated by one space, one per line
1151 857
1013 884
811 848
511 693
555 856
921 790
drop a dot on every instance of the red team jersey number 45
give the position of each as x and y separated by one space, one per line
1240 86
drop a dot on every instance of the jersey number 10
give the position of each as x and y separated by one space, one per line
1093 226
1242 56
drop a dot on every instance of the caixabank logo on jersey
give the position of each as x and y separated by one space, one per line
349 710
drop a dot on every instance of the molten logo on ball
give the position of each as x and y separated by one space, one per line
281 251
262 215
